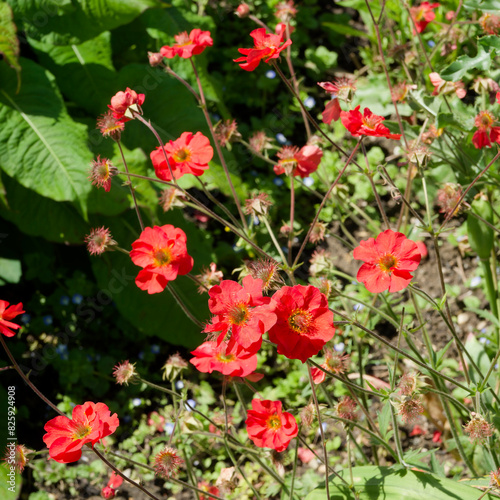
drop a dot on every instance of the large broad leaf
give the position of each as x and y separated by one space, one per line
9 44
156 314
486 50
40 145
63 22
377 483
39 216
491 6
84 73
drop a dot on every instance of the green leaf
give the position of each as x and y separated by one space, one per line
10 271
345 29
373 483
40 145
457 69
84 73
478 353
9 44
384 417
64 22
491 6
39 216
454 120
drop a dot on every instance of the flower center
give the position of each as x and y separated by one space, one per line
225 358
182 155
238 314
274 422
82 431
162 257
300 320
371 122
484 120
387 262
182 39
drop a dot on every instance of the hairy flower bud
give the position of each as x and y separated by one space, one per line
478 428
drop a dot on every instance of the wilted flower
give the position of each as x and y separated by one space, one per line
335 362
295 161
226 481
110 126
307 415
490 23
418 154
321 261
346 408
16 456
495 479
409 383
342 88
409 408
227 132
155 58
242 10
99 240
442 87
258 205
478 428
400 91
259 141
209 277
124 372
101 172
433 133
448 197
268 271
318 232
170 198
167 462
285 11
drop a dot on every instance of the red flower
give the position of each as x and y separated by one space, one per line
486 133
122 101
389 260
6 314
443 87
304 322
301 162
242 309
101 172
366 124
341 89
229 359
189 154
268 426
90 422
422 15
203 485
162 253
266 46
188 45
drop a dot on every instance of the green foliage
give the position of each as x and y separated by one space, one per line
9 44
373 483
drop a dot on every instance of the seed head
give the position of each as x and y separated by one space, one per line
268 271
346 408
209 277
99 241
478 428
174 365
101 172
16 455
110 126
227 132
167 462
124 372
448 197
318 232
410 408
170 198
259 142
258 205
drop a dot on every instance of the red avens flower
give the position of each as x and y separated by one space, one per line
203 485
110 126
189 154
268 426
6 314
162 253
122 101
187 46
242 310
109 491
423 14
301 162
486 133
229 359
341 89
304 322
389 260
365 124
490 23
267 46
90 423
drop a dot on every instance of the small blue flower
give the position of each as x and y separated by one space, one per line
155 348
278 181
25 318
254 173
310 102
141 355
169 428
256 221
136 402
47 320
476 281
216 117
270 74
190 403
62 350
484 340
324 425
358 307
308 181
281 138
77 298
179 385
64 300
339 347
431 43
